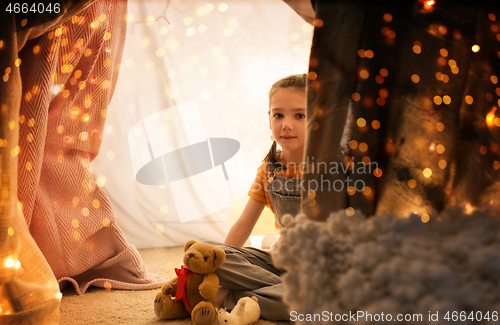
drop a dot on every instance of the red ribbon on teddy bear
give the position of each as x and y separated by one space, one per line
180 294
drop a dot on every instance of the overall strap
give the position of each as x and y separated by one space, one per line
271 168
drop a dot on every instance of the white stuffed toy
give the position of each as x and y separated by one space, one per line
246 311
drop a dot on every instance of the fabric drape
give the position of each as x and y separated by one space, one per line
402 107
409 88
68 84
56 222
29 293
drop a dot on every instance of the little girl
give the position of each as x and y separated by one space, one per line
249 271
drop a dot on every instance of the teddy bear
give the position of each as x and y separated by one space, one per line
193 290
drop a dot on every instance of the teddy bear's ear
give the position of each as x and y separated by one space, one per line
219 256
189 243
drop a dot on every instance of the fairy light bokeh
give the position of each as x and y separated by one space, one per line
427 82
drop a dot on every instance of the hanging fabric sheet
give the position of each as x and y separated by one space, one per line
188 125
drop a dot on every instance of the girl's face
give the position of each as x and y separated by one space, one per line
287 119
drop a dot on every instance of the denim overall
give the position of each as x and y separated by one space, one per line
284 194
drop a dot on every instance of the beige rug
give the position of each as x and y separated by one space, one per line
101 306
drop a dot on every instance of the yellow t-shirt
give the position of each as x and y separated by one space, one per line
258 191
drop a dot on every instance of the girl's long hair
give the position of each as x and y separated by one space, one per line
299 82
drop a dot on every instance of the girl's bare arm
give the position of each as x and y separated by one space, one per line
241 230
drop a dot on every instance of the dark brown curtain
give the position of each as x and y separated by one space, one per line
403 107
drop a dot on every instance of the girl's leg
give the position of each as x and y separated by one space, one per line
250 272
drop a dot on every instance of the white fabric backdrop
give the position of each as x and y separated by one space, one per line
219 59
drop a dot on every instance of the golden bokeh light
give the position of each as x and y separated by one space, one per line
96 203
107 285
223 7
318 22
363 147
364 74
439 126
412 183
441 61
9 263
160 229
490 117
106 222
101 181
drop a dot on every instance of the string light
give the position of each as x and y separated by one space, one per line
490 117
